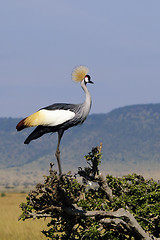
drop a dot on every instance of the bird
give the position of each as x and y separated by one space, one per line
58 117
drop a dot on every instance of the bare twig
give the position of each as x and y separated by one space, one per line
118 219
129 222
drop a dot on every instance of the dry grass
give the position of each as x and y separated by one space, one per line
10 227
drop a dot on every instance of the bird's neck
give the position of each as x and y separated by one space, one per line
87 103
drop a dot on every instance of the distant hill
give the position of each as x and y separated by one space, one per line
130 137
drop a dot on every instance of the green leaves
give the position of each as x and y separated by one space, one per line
132 192
140 196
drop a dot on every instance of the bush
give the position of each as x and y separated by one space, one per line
3 194
108 208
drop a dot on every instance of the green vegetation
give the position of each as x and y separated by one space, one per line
112 208
3 194
130 136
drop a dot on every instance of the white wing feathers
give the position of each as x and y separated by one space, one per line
50 118
56 117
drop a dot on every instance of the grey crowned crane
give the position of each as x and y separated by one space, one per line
59 116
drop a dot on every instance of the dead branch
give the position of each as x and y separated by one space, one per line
121 219
129 222
61 196
92 172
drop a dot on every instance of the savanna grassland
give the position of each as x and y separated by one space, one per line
10 227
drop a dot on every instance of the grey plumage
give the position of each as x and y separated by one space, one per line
59 116
81 112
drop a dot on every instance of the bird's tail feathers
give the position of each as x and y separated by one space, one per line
21 125
37 133
33 120
28 140
34 135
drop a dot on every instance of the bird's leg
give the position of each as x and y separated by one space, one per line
57 154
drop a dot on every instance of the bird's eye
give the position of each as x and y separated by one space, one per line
87 78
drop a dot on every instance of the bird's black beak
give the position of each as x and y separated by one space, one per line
91 82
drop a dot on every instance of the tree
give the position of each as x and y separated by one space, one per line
98 207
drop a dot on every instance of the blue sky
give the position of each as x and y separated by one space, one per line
42 41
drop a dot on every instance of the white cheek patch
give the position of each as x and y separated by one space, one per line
86 79
55 117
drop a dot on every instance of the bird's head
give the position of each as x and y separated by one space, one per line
80 74
87 79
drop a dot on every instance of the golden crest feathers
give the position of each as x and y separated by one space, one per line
79 73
